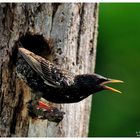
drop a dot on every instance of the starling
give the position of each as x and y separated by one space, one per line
57 85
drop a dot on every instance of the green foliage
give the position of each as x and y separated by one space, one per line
118 57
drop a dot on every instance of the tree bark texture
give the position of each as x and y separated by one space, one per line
73 29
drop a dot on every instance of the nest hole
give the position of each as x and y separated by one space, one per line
36 44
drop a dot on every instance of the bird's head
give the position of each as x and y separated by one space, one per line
95 82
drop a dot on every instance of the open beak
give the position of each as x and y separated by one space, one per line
110 88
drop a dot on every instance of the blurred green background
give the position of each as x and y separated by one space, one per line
118 56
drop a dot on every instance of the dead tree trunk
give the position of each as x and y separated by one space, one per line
73 29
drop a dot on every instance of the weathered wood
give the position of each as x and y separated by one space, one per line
73 29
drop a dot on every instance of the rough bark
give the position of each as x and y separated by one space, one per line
73 29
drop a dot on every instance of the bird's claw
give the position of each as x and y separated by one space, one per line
44 111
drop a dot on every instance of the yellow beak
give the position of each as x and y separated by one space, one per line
110 88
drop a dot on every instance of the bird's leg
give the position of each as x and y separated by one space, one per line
41 110
42 105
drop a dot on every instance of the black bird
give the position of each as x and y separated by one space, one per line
57 85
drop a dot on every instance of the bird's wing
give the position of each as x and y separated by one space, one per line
51 75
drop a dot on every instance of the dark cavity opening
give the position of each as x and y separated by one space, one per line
36 44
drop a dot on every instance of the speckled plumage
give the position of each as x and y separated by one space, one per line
54 84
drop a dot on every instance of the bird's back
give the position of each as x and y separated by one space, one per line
50 73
